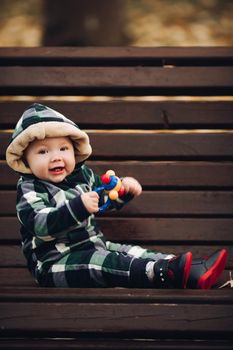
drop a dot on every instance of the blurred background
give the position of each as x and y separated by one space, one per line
116 22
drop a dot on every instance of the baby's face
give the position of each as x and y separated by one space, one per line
51 159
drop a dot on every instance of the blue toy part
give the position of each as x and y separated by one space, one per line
107 204
113 182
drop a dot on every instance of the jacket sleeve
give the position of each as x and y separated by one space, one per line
43 220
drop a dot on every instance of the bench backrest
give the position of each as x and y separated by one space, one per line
146 126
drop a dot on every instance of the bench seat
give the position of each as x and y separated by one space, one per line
164 116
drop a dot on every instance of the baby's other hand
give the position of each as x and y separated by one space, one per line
132 185
91 201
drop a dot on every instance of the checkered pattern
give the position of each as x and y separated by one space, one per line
62 243
38 113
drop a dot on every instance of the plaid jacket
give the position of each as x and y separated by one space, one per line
53 219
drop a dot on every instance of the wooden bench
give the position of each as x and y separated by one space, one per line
180 149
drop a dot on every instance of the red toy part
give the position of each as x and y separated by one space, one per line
105 179
121 192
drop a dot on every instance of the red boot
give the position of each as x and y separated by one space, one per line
205 272
173 273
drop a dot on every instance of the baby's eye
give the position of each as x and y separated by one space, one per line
42 151
64 148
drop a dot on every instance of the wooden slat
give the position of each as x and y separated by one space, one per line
7 176
116 80
201 320
115 295
115 344
191 145
159 203
12 256
181 203
168 229
19 278
166 114
117 55
142 230
161 175
137 145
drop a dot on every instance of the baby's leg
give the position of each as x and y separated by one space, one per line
137 251
98 268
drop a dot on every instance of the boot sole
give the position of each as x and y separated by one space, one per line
187 267
210 277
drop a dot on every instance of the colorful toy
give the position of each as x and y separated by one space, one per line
112 185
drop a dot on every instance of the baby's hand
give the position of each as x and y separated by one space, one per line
132 185
91 201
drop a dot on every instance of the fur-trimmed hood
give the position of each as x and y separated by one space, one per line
38 122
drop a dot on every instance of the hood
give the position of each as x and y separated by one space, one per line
37 123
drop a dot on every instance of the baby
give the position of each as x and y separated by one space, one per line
57 204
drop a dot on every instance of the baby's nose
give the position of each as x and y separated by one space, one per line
55 157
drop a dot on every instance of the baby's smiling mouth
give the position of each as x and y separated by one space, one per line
57 169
